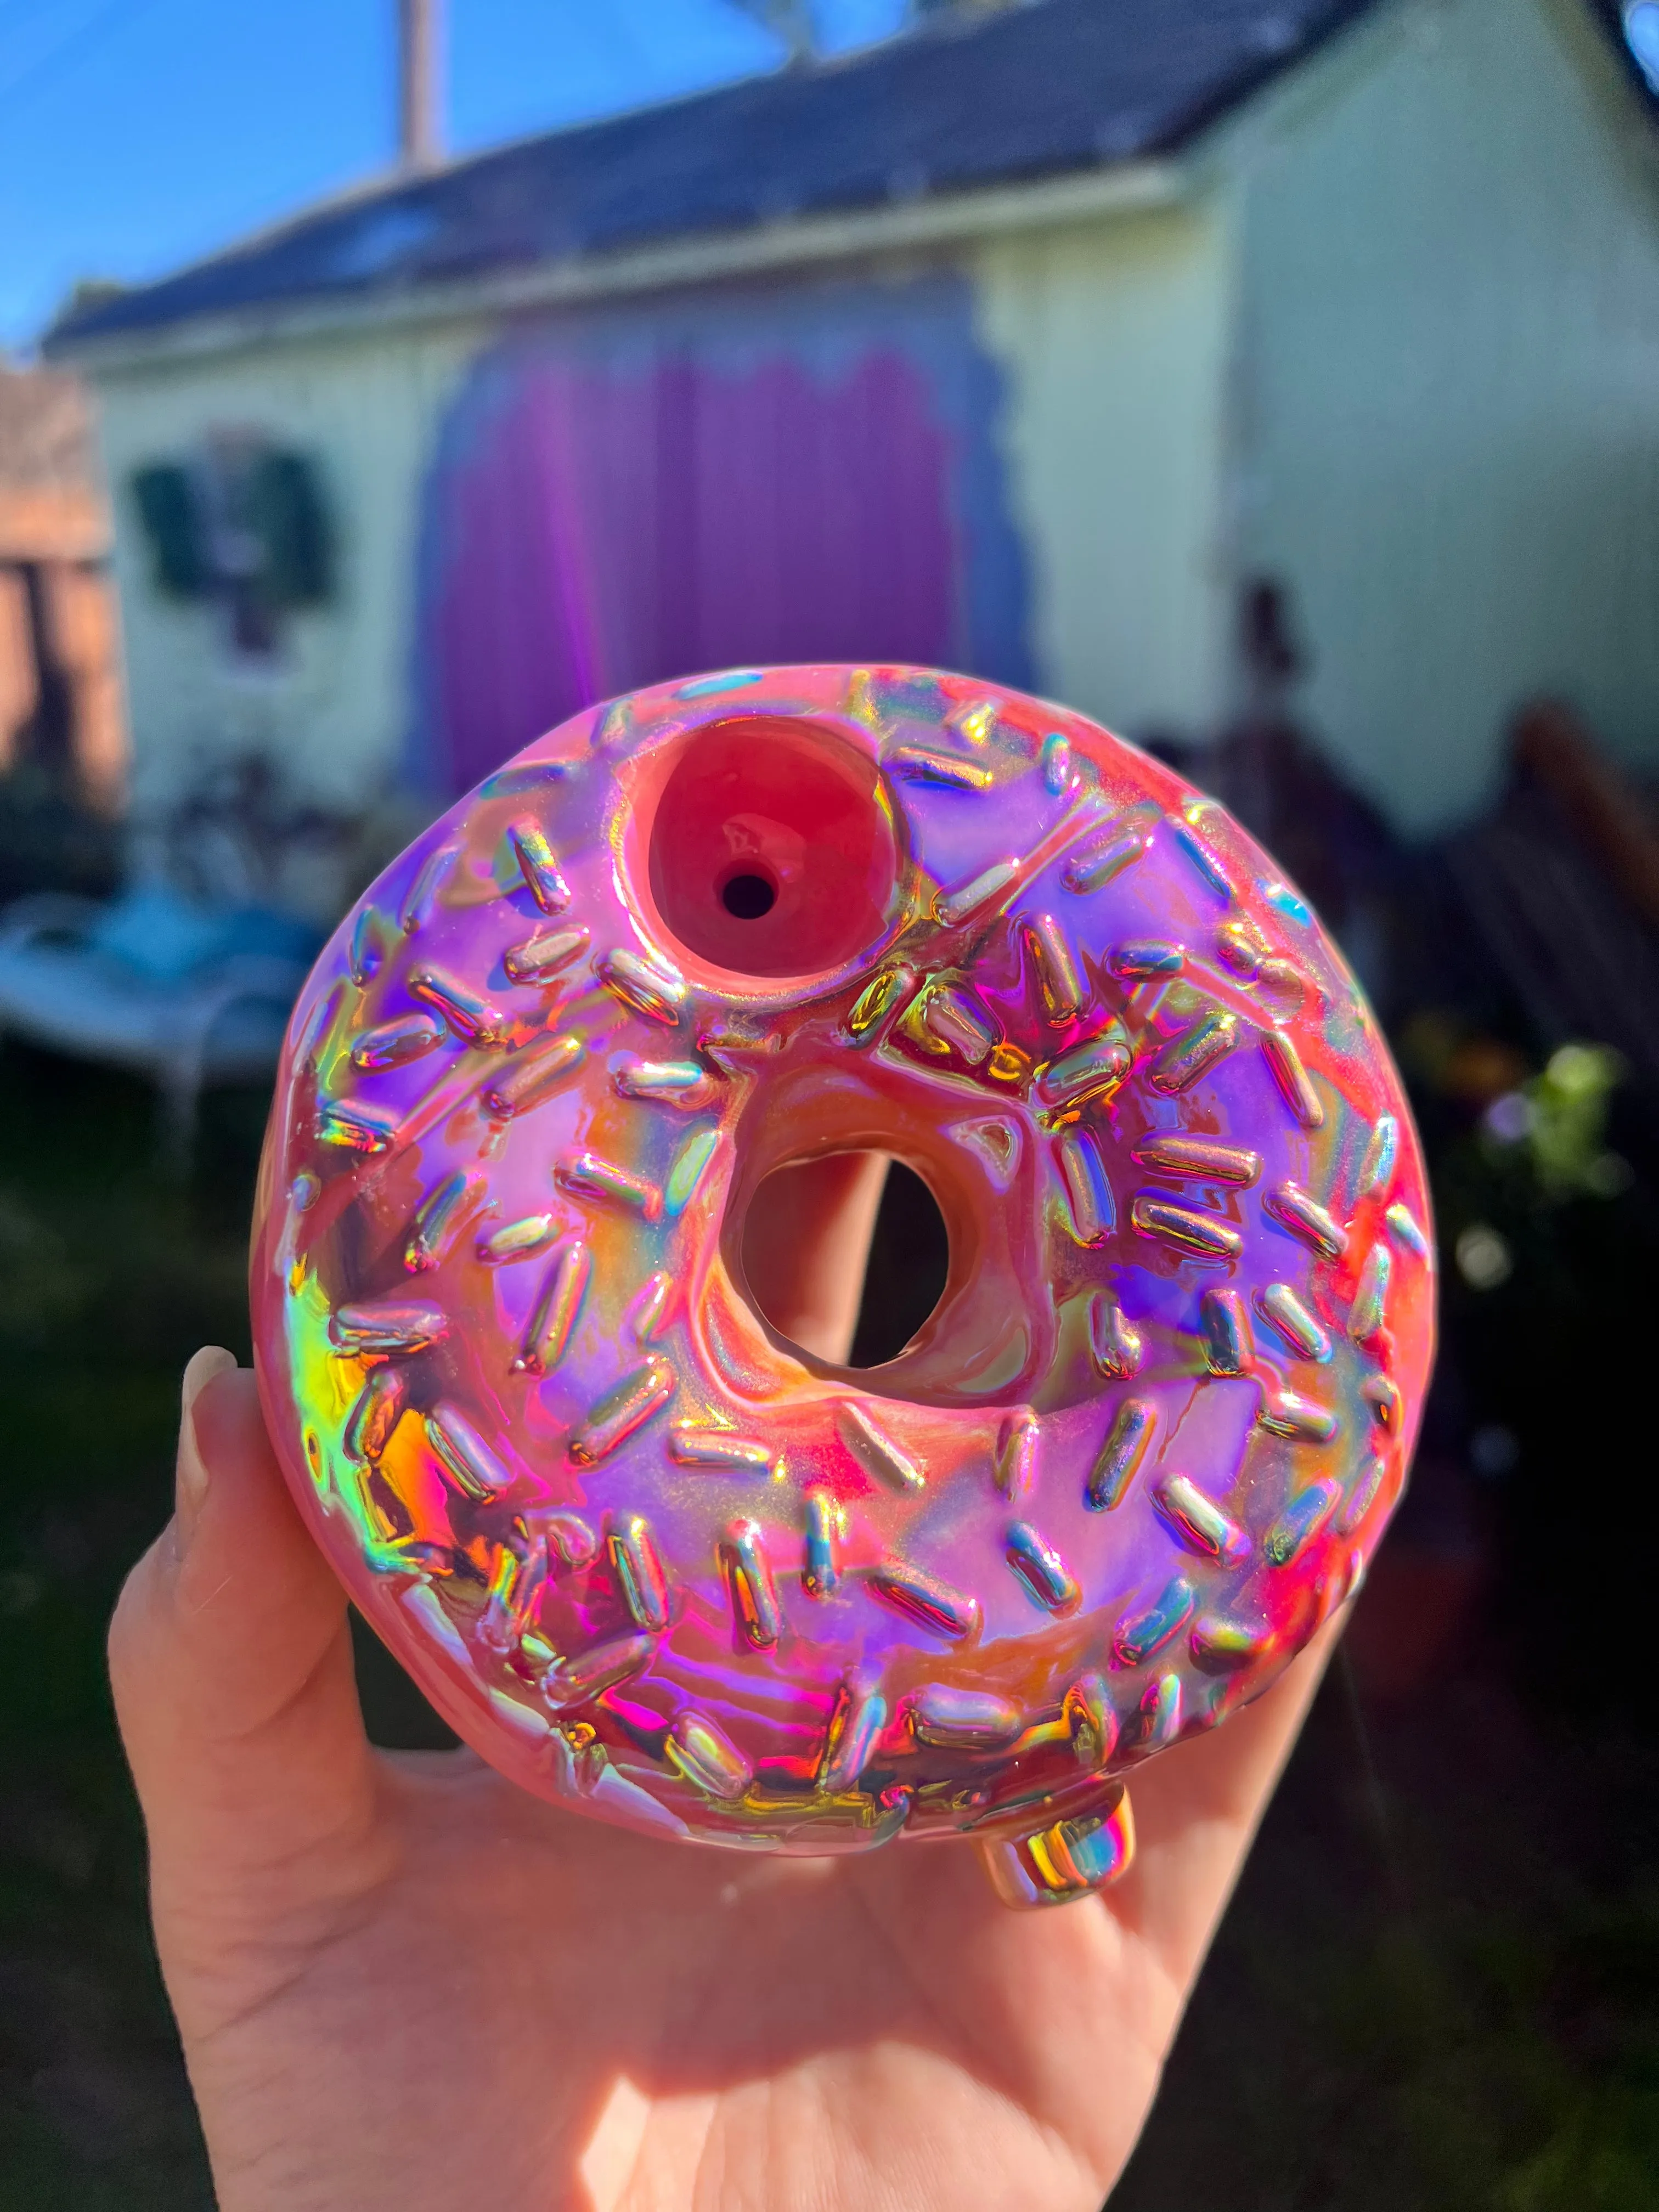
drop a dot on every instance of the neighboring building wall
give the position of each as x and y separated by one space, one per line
1448 436
1114 336
61 703
329 709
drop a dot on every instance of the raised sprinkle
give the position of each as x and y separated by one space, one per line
519 1240
1147 956
823 1528
958 1024
1298 1521
1139 1635
1200 1159
874 1002
423 894
707 1757
1088 1070
472 1018
540 867
1295 1087
376 1413
1381 1154
875 1451
685 1176
1117 1347
541 959
656 992
1369 1310
1121 1454
1304 1217
439 1217
556 1309
951 1719
931 1604
587 1675
627 1406
1200 1235
1404 1223
753 1597
1041 1570
1109 853
1058 983
649 1311
1091 1211
1198 1521
1278 1304
1302 1419
585 1175
355 1129
859 1717
533 1074
395 1043
1186 835
1189 1055
638 1569
683 1082
465 1457
389 1325
952 907
1013 1463
945 771
367 953
720 1447
1226 1328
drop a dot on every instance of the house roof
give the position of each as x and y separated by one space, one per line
1028 92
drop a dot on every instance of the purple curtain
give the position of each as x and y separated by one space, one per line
603 525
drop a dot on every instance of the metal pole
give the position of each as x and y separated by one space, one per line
420 143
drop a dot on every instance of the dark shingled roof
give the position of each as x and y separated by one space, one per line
1031 91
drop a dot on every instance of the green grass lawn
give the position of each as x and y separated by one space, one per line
1438 1987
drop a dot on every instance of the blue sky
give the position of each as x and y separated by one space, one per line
137 134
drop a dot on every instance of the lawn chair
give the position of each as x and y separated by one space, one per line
182 994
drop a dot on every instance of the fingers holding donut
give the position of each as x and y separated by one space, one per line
231 1662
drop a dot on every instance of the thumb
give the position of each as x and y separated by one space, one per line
231 1663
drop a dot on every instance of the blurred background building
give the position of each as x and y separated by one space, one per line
60 679
1029 343
1276 380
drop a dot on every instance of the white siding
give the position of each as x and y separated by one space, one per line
1448 388
1114 337
333 709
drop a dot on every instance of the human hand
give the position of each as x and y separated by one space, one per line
402 1983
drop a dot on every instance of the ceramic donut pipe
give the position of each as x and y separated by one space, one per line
654 1561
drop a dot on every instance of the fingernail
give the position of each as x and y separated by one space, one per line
190 1477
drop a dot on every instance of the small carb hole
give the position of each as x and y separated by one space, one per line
748 894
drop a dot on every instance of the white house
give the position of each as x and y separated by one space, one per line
1020 344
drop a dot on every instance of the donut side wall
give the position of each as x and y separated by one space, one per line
653 1560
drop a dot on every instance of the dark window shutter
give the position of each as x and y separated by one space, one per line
166 499
286 513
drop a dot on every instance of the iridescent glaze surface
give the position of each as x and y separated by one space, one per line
655 1562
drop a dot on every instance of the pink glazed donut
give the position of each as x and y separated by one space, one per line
658 1563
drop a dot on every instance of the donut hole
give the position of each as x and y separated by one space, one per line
771 850
904 1281
910 1254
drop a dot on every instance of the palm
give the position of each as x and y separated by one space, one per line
628 2023
403 1983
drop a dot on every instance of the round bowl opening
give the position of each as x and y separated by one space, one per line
771 849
